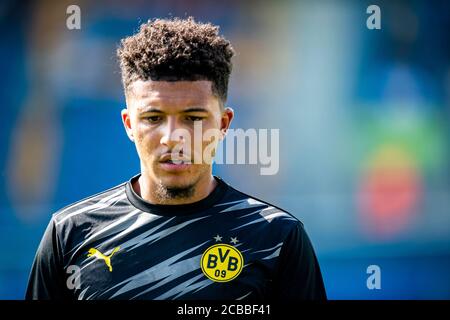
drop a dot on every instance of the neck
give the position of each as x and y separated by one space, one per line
145 188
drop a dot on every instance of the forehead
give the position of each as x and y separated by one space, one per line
171 94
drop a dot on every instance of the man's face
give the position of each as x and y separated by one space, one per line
159 114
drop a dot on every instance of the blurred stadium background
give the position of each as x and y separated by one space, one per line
363 117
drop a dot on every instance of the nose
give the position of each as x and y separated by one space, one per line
172 134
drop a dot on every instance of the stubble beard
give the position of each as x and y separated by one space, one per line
166 193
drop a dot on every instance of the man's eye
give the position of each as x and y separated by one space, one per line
194 118
153 119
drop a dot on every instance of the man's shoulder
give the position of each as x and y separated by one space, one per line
96 201
267 211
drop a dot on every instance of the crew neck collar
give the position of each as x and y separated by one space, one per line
175 209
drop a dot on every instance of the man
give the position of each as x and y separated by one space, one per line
175 231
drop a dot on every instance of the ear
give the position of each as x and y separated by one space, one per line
127 123
227 117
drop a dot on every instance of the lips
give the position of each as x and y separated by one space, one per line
177 161
168 158
170 163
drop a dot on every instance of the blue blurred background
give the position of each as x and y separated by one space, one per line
363 118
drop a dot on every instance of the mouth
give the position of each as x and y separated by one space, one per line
168 163
176 161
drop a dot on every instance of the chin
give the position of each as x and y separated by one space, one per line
177 181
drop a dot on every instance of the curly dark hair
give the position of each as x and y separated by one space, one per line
177 49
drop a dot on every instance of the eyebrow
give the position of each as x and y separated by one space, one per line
154 110
195 110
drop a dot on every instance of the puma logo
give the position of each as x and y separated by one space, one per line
95 253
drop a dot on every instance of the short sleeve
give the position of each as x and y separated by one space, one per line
46 280
298 276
